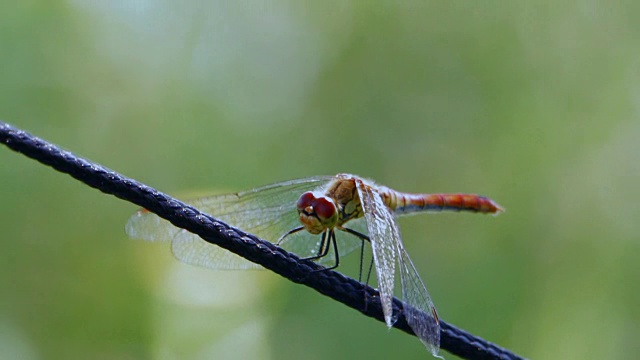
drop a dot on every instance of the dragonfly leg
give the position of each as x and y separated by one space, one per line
356 233
362 237
328 240
292 231
335 249
324 246
369 271
362 263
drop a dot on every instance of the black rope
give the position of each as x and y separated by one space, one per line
330 283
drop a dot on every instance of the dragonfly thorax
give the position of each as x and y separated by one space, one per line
344 194
317 213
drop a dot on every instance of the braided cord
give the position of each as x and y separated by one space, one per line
330 283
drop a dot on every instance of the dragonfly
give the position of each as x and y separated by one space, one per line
304 215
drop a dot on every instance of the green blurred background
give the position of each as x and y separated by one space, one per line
535 104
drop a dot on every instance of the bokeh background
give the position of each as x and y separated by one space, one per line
535 104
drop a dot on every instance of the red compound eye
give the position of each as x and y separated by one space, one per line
305 200
324 208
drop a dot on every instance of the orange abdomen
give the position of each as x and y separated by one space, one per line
408 203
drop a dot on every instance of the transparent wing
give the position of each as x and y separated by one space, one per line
191 249
420 314
267 212
383 233
387 246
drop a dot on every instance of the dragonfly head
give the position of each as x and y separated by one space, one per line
317 213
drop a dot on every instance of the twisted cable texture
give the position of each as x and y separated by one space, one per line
330 283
